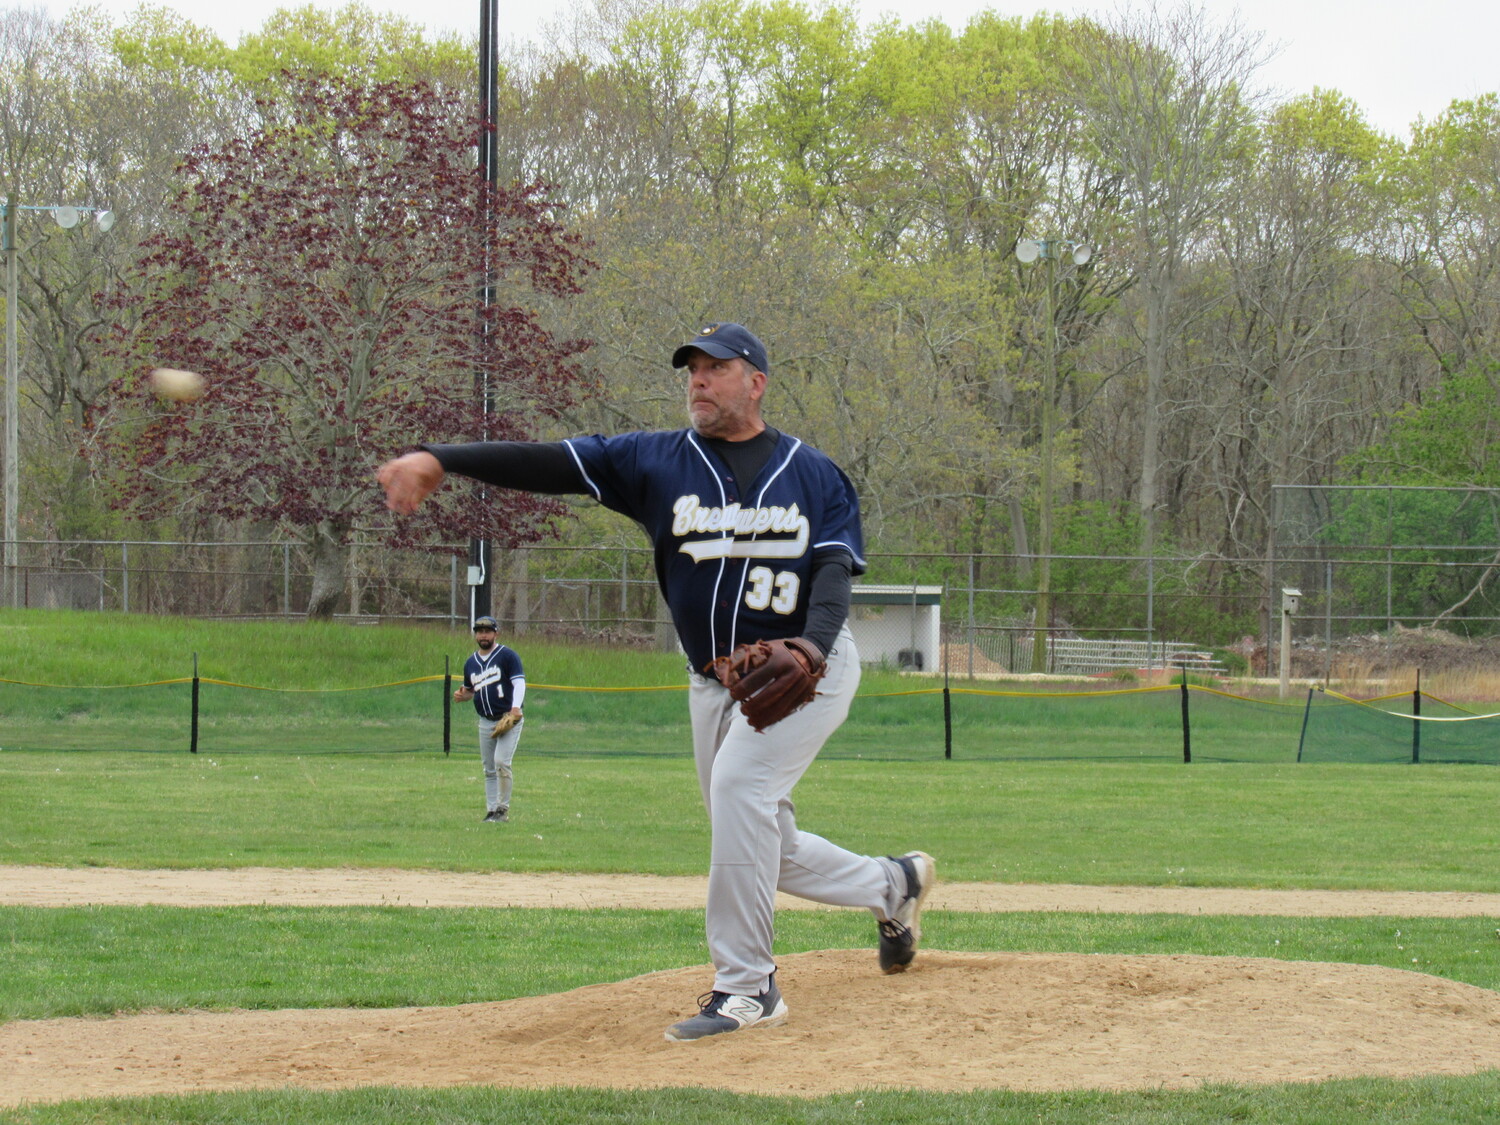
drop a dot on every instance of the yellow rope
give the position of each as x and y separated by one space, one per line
870 695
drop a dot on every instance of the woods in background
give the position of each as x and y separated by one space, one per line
1276 293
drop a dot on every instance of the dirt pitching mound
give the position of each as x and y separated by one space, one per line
956 1021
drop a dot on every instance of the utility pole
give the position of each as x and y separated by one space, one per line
481 582
1029 250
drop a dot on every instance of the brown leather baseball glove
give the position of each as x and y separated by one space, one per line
503 724
771 679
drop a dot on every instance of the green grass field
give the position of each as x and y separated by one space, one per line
581 805
1363 827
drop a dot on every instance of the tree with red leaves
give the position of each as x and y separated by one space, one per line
325 281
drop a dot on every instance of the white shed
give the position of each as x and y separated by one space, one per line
898 625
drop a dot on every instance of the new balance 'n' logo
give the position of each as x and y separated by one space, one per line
742 1009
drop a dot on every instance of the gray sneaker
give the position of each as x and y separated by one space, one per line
901 933
720 1012
497 815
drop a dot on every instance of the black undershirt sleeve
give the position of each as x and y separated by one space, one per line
530 466
828 600
548 467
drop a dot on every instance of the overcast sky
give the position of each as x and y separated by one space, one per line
1397 59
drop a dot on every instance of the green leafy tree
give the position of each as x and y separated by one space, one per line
1167 98
76 127
813 102
1288 296
1450 442
1451 439
353 42
1446 237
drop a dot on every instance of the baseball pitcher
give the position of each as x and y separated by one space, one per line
756 538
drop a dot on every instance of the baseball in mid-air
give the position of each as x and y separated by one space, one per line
177 385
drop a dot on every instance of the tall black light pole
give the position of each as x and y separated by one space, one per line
1029 250
480 582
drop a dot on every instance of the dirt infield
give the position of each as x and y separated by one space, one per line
342 886
957 1021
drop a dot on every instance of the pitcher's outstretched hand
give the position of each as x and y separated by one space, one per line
408 480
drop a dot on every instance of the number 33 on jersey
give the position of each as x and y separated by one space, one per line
735 562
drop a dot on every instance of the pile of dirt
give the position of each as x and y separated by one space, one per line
1397 652
963 660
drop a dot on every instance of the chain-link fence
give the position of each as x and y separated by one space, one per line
1373 557
611 591
1353 559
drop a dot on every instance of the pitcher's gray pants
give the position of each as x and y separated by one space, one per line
747 780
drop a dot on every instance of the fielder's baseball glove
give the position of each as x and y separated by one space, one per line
771 679
503 724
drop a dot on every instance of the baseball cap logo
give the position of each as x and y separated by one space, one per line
737 349
729 340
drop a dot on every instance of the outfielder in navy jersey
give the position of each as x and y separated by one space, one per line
496 682
756 537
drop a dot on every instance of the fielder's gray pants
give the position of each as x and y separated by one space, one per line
496 754
747 779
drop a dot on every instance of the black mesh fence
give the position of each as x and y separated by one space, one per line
1412 727
1165 723
895 717
213 716
150 716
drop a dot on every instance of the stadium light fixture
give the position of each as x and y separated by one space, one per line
1028 250
67 216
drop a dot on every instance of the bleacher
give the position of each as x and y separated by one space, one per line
1070 656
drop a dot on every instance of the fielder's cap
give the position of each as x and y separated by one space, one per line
725 341
485 623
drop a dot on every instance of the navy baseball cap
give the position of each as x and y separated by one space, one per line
485 623
725 341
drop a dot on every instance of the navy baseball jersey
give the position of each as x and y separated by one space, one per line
734 559
492 679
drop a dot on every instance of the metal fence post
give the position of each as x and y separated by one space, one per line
1306 715
1416 722
947 718
193 737
1187 729
447 703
